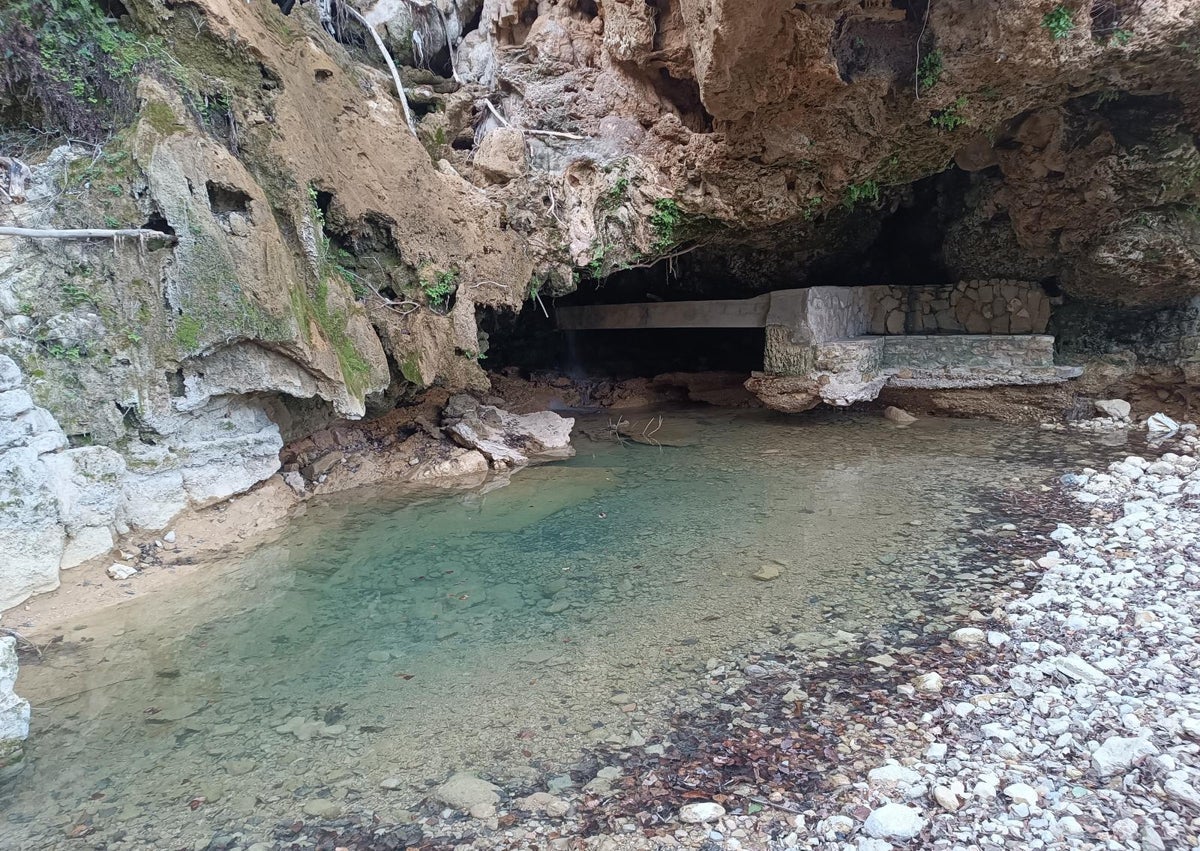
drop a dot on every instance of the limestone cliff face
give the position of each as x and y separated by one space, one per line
320 260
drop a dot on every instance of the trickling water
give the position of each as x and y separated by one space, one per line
402 635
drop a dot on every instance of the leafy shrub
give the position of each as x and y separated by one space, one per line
438 290
1059 22
929 70
666 221
951 118
856 193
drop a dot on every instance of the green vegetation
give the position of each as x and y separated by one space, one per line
73 294
616 194
951 118
856 193
666 221
187 333
331 321
929 70
1059 22
1120 36
161 117
410 368
438 289
71 354
813 207
66 63
596 266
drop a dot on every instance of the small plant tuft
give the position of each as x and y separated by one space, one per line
616 194
437 291
1059 22
666 221
929 70
951 118
857 193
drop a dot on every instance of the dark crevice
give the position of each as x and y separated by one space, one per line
879 40
159 223
175 384
114 9
684 96
224 199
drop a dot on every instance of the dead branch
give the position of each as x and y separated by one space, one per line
21 640
555 133
88 233
387 57
920 35
668 257
449 44
541 304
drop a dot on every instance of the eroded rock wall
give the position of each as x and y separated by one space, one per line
320 261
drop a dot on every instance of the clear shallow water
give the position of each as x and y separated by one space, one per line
404 635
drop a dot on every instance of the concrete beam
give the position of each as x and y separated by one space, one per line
727 313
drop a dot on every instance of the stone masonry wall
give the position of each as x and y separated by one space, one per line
991 351
968 307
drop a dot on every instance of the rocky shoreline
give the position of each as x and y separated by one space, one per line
1065 717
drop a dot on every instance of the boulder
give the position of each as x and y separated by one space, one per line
766 573
501 154
466 792
14 713
898 415
1118 754
894 821
503 436
700 812
1161 424
1118 409
968 636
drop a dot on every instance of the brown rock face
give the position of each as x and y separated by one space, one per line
501 154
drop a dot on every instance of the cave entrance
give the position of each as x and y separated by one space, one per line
534 343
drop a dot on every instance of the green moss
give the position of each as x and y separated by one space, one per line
187 333
161 117
410 368
315 310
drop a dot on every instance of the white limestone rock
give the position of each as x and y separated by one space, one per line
508 437
898 415
14 712
1119 753
121 572
466 792
700 812
969 636
1078 669
894 821
1115 408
